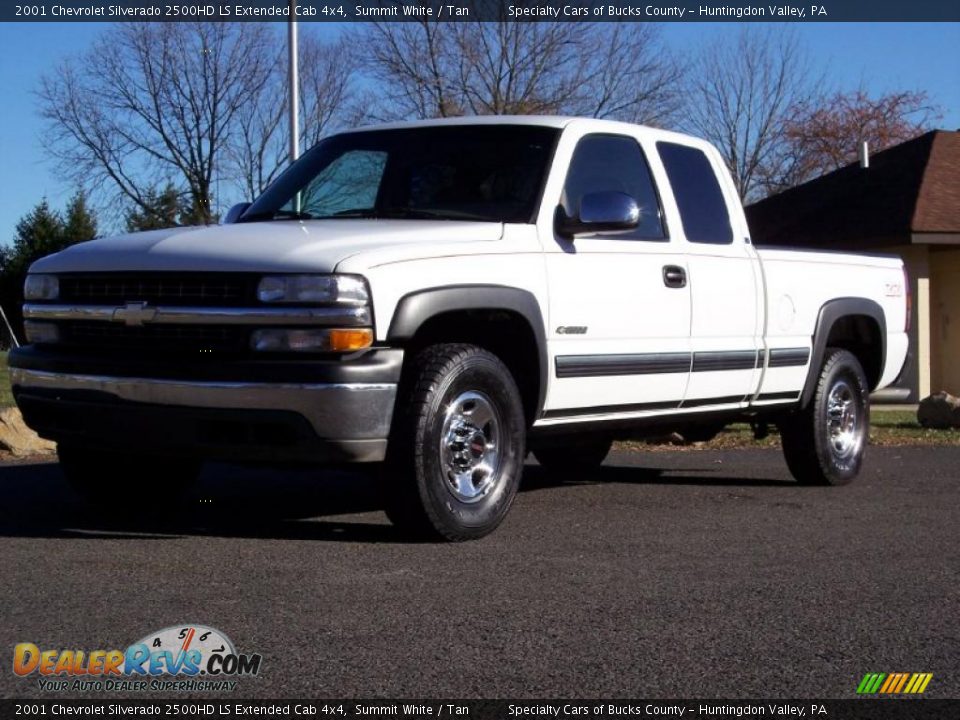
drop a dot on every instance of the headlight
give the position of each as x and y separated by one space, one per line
41 287
311 340
345 289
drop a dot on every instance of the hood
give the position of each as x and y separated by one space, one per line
277 246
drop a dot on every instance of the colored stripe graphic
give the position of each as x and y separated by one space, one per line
903 680
870 683
894 683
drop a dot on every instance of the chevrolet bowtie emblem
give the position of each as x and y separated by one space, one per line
134 314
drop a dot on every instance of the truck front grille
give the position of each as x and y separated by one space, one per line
199 289
162 339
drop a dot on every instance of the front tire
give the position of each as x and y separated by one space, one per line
126 481
456 451
824 444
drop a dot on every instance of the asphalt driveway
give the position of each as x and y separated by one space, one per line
678 574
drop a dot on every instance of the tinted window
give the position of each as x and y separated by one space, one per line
614 163
463 172
703 211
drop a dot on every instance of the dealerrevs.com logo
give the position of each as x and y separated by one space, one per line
179 658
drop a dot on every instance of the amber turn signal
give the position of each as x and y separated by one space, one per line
350 339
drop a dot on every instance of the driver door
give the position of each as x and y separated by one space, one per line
619 303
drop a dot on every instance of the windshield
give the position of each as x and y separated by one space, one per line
491 173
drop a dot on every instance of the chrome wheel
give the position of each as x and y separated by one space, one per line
824 443
470 446
844 421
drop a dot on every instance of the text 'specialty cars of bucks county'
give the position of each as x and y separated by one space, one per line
443 296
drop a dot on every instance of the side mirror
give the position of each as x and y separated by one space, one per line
599 212
234 213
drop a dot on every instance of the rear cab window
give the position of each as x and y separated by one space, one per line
703 209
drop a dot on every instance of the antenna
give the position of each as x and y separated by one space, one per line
13 335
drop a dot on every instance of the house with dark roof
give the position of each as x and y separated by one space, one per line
904 201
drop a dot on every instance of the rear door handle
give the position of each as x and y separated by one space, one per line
674 276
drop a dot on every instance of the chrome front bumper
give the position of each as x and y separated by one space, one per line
356 416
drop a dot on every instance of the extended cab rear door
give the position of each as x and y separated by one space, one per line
619 306
726 329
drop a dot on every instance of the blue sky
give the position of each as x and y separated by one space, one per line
880 56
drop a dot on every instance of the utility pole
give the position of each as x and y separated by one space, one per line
294 84
294 93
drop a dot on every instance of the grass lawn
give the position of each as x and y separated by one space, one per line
896 427
887 427
6 398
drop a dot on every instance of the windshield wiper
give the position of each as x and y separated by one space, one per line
385 214
276 215
398 213
290 215
405 212
350 213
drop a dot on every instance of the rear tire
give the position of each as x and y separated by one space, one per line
126 481
824 444
456 450
572 457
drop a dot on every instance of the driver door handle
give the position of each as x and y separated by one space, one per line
674 276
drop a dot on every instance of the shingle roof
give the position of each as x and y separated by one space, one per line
938 206
910 188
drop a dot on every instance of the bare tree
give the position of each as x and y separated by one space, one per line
153 100
260 145
187 103
430 69
415 66
825 133
632 77
742 94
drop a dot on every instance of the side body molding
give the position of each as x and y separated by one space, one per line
417 307
829 314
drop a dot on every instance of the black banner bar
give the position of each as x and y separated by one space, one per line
484 11
859 709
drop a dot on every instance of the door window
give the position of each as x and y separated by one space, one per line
603 163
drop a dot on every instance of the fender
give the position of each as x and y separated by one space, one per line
416 308
829 314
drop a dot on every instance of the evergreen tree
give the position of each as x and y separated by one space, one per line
197 212
80 223
160 210
40 232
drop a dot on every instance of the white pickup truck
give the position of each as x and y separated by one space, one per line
444 296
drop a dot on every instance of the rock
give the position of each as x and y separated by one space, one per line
940 411
20 440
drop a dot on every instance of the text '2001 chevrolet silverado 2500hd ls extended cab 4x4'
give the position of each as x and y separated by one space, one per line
443 296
